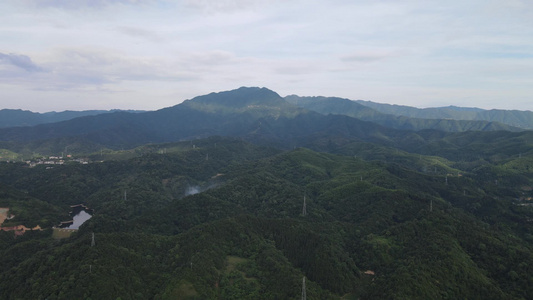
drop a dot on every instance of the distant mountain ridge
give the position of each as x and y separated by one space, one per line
515 118
250 100
340 106
256 114
19 117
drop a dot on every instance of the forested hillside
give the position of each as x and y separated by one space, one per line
220 218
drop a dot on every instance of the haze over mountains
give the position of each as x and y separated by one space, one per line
517 118
367 110
257 114
395 119
18 117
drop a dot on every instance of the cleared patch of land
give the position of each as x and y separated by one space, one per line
3 214
231 265
233 261
181 290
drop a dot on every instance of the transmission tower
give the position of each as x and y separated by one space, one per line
304 296
92 240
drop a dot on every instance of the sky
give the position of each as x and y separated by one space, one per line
60 55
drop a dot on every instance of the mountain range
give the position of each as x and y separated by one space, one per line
397 116
256 114
244 194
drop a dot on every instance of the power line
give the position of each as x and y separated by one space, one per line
304 209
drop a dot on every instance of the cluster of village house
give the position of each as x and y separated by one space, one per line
56 160
526 200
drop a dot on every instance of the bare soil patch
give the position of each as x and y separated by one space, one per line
3 214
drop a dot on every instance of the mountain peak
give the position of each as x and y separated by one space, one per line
241 97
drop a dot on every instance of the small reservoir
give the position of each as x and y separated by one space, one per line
79 219
80 214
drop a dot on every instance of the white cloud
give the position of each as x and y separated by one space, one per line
20 61
173 50
79 4
212 6
141 33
